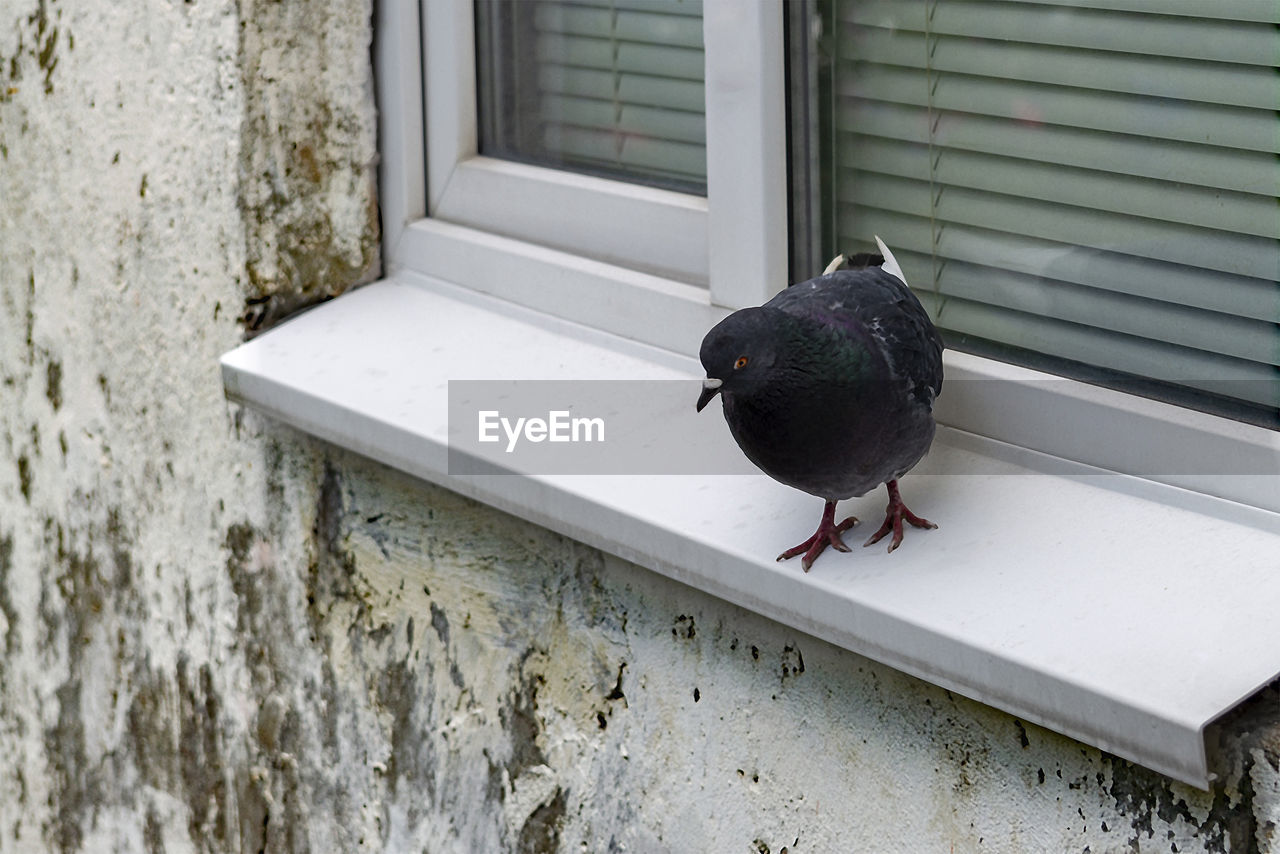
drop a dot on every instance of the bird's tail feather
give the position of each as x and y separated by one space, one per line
884 261
837 263
890 264
860 261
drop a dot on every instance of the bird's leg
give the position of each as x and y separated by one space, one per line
828 534
893 516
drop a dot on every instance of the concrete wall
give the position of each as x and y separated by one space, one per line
219 635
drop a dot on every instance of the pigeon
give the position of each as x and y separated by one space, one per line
829 388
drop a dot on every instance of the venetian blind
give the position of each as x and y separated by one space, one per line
612 87
1096 182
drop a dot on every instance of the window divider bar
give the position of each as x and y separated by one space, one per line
448 37
746 151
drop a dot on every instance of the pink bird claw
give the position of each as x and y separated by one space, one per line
895 514
828 534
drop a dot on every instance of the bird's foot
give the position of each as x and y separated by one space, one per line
894 515
828 534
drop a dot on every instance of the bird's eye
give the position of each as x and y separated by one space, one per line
740 364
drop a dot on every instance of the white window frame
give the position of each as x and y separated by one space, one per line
551 239
369 370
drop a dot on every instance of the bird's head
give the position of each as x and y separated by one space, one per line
738 352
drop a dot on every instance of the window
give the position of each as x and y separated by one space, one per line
607 87
552 238
1089 189
1085 189
661 266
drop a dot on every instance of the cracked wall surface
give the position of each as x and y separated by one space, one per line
217 634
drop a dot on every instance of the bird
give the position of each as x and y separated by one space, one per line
829 388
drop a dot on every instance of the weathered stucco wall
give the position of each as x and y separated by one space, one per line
218 635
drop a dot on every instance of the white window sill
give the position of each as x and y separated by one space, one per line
1123 612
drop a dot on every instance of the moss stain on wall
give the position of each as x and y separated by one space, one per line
295 160
36 35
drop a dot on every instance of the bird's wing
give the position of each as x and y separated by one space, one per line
876 306
912 345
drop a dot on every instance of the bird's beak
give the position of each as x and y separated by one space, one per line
710 387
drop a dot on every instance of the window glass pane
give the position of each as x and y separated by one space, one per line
606 87
1088 188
